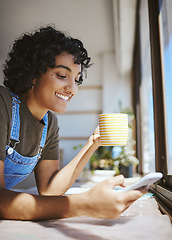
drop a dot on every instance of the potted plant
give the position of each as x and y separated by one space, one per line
126 160
125 157
120 159
102 164
102 159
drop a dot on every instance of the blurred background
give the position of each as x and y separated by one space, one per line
130 44
107 29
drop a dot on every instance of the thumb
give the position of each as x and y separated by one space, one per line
114 181
96 130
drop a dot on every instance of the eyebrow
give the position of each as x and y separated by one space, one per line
65 67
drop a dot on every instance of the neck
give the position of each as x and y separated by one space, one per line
34 108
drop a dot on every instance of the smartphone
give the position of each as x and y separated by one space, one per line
147 180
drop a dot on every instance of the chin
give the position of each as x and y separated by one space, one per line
59 110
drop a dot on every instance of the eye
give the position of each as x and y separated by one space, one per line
61 76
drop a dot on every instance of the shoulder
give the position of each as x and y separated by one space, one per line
5 113
5 97
4 92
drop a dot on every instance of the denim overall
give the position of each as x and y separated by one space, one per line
16 166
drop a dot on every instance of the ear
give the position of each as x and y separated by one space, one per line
34 81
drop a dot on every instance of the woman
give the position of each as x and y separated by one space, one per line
42 74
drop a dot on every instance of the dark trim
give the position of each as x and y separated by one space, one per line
160 143
162 190
135 88
163 197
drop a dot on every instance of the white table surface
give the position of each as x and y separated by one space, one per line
142 221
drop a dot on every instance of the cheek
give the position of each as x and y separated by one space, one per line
47 85
43 92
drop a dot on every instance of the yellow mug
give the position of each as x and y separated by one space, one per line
113 129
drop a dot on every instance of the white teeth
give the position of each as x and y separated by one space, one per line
62 96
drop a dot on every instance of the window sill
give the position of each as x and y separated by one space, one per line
163 197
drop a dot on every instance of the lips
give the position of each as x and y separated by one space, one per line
63 97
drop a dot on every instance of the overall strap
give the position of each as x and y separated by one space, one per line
44 134
15 121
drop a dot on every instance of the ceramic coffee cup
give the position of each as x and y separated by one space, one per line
113 129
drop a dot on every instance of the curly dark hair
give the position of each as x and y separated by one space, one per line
33 53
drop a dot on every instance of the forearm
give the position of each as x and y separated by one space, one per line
80 160
65 178
22 206
101 202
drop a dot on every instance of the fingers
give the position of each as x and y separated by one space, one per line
130 202
95 137
96 131
144 189
112 182
131 196
126 199
118 202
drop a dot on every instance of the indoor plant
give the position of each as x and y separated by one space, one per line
126 158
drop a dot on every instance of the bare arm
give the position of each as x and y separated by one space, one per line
23 206
93 203
50 181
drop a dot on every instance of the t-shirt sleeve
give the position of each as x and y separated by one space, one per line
4 122
51 150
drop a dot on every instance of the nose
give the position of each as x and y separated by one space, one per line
71 86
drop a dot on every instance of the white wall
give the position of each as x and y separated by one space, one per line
116 87
92 22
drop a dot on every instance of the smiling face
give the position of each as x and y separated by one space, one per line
55 88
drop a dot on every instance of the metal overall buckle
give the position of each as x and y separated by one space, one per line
11 149
39 152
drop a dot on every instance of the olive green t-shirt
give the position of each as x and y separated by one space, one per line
30 130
